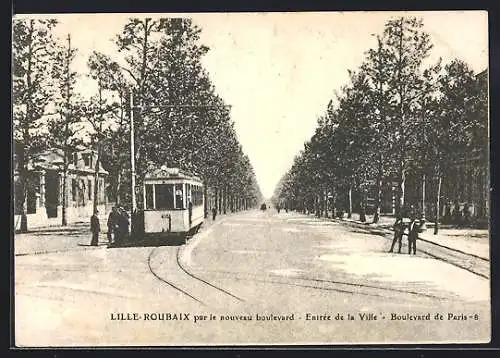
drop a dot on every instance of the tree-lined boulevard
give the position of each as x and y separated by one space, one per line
398 118
406 137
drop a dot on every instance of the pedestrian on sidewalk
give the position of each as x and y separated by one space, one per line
398 233
112 224
95 228
124 224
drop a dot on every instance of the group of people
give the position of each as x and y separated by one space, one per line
278 208
118 226
412 230
456 216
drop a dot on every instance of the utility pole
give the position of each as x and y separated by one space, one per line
132 150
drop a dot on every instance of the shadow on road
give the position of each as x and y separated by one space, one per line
155 242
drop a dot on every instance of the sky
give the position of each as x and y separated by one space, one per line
278 71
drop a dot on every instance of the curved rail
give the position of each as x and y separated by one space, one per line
167 282
202 280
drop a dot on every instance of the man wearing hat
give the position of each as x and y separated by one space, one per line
95 228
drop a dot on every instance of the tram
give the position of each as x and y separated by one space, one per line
173 203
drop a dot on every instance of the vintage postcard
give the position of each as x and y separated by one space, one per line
226 179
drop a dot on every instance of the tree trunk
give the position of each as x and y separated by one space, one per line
96 178
224 198
216 200
325 202
423 196
316 205
362 211
23 165
438 203
118 187
378 199
205 200
334 203
66 134
349 212
401 191
64 220
23 178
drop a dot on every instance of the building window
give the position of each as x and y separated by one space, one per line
90 189
164 196
74 189
86 159
82 191
100 191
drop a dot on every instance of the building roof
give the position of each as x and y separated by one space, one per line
483 75
170 173
53 159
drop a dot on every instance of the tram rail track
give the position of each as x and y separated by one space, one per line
325 285
170 282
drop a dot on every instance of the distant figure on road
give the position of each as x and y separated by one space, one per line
278 208
466 215
398 233
95 228
457 215
112 224
214 213
263 207
413 231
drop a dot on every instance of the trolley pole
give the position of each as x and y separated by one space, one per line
132 150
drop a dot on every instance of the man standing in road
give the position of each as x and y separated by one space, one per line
414 230
398 233
214 213
95 228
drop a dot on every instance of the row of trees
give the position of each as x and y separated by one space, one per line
398 116
179 118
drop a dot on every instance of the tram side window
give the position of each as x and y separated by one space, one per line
149 196
179 202
164 196
189 193
197 196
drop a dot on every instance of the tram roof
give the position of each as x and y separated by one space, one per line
170 173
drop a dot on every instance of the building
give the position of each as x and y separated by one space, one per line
45 183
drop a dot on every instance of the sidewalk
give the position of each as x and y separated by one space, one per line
473 241
75 236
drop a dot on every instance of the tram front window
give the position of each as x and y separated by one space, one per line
179 196
164 196
149 196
